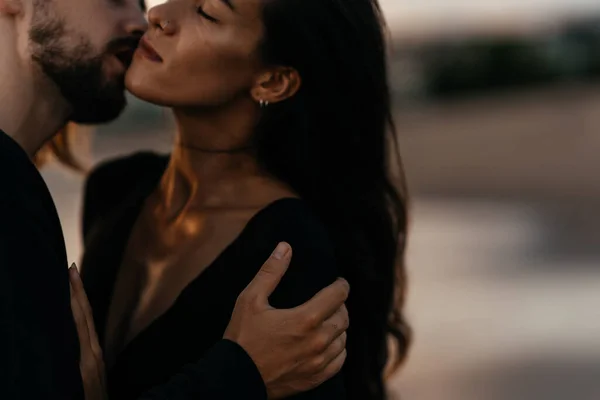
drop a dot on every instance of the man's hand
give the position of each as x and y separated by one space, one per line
91 363
295 350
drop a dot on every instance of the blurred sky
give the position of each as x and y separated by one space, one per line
438 17
431 17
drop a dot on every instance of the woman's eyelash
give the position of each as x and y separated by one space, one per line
200 11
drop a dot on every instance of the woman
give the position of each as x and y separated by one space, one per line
283 124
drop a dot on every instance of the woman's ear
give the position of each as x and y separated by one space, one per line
276 85
11 7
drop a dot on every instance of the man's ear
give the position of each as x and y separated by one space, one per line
276 84
11 7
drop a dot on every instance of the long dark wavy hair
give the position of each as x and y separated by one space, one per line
334 142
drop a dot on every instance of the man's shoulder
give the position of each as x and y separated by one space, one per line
24 195
15 165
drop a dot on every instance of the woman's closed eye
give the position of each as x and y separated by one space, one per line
200 11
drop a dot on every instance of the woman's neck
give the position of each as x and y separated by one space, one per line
210 163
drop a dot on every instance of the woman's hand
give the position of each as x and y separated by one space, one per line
91 363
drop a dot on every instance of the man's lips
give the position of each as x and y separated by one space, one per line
123 49
125 56
147 51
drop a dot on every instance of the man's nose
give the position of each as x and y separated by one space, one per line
136 24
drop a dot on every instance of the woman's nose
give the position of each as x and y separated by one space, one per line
159 19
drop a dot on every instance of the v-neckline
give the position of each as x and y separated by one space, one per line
124 220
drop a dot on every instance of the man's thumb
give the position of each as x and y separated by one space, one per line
270 274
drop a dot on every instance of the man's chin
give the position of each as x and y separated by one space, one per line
99 111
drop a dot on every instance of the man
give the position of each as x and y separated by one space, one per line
65 60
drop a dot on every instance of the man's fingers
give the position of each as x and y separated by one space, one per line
336 348
81 296
338 323
270 274
85 308
332 369
80 323
325 303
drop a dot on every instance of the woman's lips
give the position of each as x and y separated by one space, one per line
147 51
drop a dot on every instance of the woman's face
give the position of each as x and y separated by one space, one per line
198 53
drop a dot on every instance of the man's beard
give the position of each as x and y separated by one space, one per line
76 71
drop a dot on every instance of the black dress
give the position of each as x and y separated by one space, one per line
39 348
114 196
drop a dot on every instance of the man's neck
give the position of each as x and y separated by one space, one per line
31 110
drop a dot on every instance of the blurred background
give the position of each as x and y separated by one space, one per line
497 111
